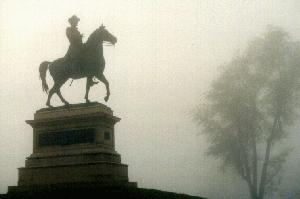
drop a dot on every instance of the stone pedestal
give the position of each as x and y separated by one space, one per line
74 145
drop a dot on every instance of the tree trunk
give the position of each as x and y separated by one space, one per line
264 172
254 168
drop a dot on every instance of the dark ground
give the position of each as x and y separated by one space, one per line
102 192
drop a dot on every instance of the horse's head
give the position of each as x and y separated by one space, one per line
105 35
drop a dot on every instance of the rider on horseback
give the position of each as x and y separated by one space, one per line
76 46
89 55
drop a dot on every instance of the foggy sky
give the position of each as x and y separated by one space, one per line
167 54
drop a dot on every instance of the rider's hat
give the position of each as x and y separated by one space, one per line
73 19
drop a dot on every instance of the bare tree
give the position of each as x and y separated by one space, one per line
250 106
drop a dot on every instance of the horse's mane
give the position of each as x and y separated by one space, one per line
92 38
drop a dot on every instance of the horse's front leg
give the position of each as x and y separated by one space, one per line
104 80
89 83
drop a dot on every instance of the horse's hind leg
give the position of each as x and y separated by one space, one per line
61 97
105 82
58 85
51 92
56 89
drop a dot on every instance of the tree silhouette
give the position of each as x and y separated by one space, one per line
249 107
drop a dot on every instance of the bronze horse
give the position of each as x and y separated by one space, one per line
91 64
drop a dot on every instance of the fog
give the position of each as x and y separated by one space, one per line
167 54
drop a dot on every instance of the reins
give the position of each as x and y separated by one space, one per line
106 43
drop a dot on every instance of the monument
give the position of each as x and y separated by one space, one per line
75 144
74 152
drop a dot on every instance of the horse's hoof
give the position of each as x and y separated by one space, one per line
87 101
67 104
49 105
106 98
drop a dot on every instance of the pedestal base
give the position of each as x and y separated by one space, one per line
73 145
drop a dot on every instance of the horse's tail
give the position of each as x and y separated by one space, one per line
43 69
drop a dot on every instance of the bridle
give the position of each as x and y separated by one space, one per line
107 43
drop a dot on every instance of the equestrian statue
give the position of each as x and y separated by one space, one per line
82 60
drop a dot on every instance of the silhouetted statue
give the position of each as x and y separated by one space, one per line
81 60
